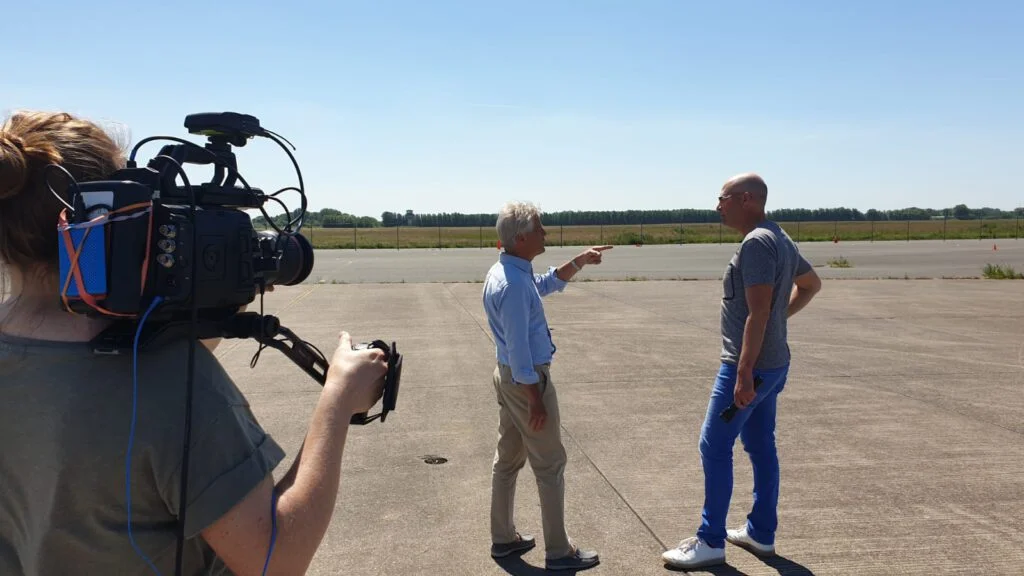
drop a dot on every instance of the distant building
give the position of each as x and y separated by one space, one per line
409 217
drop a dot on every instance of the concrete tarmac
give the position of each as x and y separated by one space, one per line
900 430
868 260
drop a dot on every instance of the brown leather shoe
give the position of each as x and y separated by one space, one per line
520 544
578 560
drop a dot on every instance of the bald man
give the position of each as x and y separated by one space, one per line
765 283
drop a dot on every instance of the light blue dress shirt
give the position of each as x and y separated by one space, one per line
512 299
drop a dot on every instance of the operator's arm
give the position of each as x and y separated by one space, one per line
805 286
308 492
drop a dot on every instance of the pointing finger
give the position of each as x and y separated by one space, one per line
602 248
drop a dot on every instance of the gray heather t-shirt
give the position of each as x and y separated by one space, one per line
767 255
65 416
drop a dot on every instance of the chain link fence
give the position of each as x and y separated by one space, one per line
442 237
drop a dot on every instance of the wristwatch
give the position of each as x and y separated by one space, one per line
574 264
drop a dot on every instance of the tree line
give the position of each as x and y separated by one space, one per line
331 218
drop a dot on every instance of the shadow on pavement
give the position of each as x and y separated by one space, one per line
787 567
783 565
516 566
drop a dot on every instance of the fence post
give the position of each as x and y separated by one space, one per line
835 229
908 230
355 238
561 234
481 237
872 229
719 231
641 229
1016 235
945 216
980 224
601 242
438 236
798 229
398 237
680 233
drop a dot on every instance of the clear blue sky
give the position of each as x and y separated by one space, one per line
458 106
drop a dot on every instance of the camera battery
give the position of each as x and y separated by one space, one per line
92 261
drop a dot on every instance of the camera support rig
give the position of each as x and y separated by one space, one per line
266 329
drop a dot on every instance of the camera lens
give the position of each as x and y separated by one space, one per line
296 258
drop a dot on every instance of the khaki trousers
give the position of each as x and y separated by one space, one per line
517 443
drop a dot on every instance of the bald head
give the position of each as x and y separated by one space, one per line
749 183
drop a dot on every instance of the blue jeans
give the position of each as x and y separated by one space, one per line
755 425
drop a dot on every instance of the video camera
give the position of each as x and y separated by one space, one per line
166 261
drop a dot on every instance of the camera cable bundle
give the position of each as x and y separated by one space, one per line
166 262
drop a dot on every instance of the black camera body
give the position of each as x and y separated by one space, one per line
186 245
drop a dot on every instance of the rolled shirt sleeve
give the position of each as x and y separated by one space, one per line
549 282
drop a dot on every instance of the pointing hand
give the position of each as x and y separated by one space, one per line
592 255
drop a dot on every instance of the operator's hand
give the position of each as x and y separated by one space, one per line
591 255
744 393
357 374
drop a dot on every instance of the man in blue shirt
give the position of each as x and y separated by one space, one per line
528 426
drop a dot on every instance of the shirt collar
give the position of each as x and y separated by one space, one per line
520 263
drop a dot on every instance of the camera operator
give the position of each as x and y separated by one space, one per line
77 440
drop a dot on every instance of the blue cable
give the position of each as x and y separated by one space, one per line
131 441
273 529
131 434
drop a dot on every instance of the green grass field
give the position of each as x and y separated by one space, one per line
413 237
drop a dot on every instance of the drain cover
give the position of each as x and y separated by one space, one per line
435 459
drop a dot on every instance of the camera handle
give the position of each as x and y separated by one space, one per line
265 329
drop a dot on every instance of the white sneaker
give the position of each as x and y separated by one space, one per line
693 553
743 540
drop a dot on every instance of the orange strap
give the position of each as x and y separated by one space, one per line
75 252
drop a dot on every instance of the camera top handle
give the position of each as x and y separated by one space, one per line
223 130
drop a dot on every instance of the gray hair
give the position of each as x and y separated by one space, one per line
515 218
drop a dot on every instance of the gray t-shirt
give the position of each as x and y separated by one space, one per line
767 255
65 416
